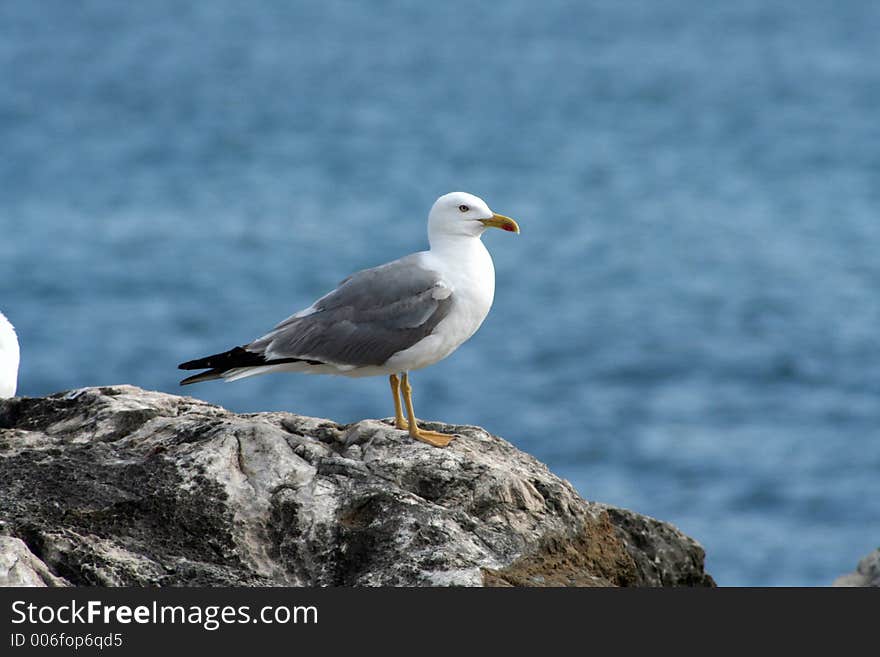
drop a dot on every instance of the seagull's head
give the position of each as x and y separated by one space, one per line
462 214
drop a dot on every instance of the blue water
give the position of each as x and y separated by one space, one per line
687 326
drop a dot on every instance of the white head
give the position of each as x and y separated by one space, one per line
459 214
8 358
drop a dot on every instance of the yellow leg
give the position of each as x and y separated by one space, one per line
431 437
399 421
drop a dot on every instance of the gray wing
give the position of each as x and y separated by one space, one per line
372 315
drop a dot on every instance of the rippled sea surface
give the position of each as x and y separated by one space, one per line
687 326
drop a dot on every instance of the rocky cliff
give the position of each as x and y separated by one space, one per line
121 486
867 573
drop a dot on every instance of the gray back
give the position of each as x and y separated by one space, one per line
372 315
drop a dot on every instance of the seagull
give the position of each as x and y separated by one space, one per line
9 356
388 320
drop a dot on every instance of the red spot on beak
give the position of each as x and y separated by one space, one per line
508 228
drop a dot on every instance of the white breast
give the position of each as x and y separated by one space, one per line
468 271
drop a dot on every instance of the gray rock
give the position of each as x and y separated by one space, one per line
121 486
19 566
867 573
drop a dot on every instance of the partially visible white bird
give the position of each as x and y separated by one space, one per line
388 320
9 356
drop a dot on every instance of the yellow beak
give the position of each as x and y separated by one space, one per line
502 222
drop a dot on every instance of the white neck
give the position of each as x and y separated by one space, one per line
465 261
454 241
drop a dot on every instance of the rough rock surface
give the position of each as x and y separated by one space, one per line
122 486
19 566
867 573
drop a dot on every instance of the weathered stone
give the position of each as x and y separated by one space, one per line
122 486
867 572
19 566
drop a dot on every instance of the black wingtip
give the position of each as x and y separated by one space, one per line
225 360
204 376
218 364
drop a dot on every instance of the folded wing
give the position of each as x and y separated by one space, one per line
371 316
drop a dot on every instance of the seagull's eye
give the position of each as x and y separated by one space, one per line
463 208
